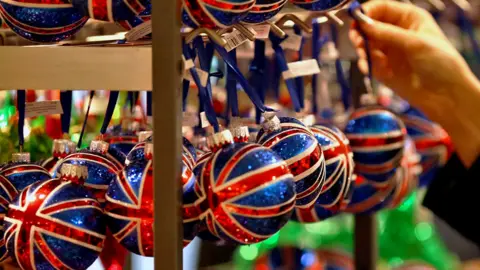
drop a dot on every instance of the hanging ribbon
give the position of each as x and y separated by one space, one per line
231 87
342 81
112 102
257 71
79 144
283 66
299 80
316 54
21 117
467 27
186 83
205 56
149 103
241 79
66 101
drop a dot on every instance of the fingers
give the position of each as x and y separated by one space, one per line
380 65
385 34
393 12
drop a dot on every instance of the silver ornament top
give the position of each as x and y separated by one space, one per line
73 172
21 157
149 150
62 147
99 146
240 132
271 122
219 139
144 135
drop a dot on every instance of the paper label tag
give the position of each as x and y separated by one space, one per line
301 68
203 75
34 109
204 120
139 31
234 39
293 42
262 30
188 64
190 119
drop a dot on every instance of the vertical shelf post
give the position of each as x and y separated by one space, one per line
167 115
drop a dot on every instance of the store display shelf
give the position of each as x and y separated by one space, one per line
75 68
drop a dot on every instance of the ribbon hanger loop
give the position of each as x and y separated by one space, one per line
291 17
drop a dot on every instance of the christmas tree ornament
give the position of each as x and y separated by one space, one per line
191 215
141 18
129 206
21 172
336 191
60 149
431 141
121 142
246 191
189 154
240 133
377 138
138 151
214 14
319 5
367 198
110 11
295 144
7 193
42 20
263 10
102 167
73 173
55 224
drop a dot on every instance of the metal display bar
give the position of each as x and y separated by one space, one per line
166 104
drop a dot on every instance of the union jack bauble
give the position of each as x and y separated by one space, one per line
189 154
138 151
120 144
102 169
129 207
367 198
264 10
246 193
110 11
144 16
7 194
22 174
191 217
295 144
319 5
42 20
432 143
60 149
335 192
377 137
54 225
215 14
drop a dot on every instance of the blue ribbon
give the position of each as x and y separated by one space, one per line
299 80
21 97
277 74
66 101
149 103
112 102
205 56
79 144
257 77
344 85
354 6
315 54
283 66
466 26
231 86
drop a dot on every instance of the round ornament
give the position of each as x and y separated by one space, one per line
129 206
336 191
295 144
319 5
7 193
189 154
120 143
60 149
42 20
110 11
214 14
367 198
21 173
138 151
246 191
102 167
191 217
54 224
141 18
263 10
377 138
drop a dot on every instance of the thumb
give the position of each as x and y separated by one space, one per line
387 34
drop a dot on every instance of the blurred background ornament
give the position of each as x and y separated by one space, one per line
110 11
214 14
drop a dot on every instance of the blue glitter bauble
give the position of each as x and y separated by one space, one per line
377 137
110 11
23 174
264 10
42 20
319 5
120 143
214 13
141 18
246 193
137 152
7 193
295 144
54 225
191 215
102 170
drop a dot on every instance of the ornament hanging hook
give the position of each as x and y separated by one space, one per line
277 30
333 17
245 31
359 15
437 4
463 4
295 20
209 32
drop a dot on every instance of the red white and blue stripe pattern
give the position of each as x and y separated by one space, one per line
110 10
120 144
319 5
42 20
246 193
191 216
54 225
264 10
7 194
335 192
367 198
377 137
143 17
23 174
189 154
432 143
51 164
102 170
296 144
137 152
215 13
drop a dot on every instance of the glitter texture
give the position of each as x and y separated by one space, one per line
264 10
213 14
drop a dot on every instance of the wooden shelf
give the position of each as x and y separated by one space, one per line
76 68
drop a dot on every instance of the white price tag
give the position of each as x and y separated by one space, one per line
262 30
301 68
139 31
234 39
204 120
33 109
187 64
203 75
293 42
190 119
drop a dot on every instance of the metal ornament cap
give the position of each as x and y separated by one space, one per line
75 173
144 135
21 157
240 133
271 122
63 147
99 146
149 150
219 139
